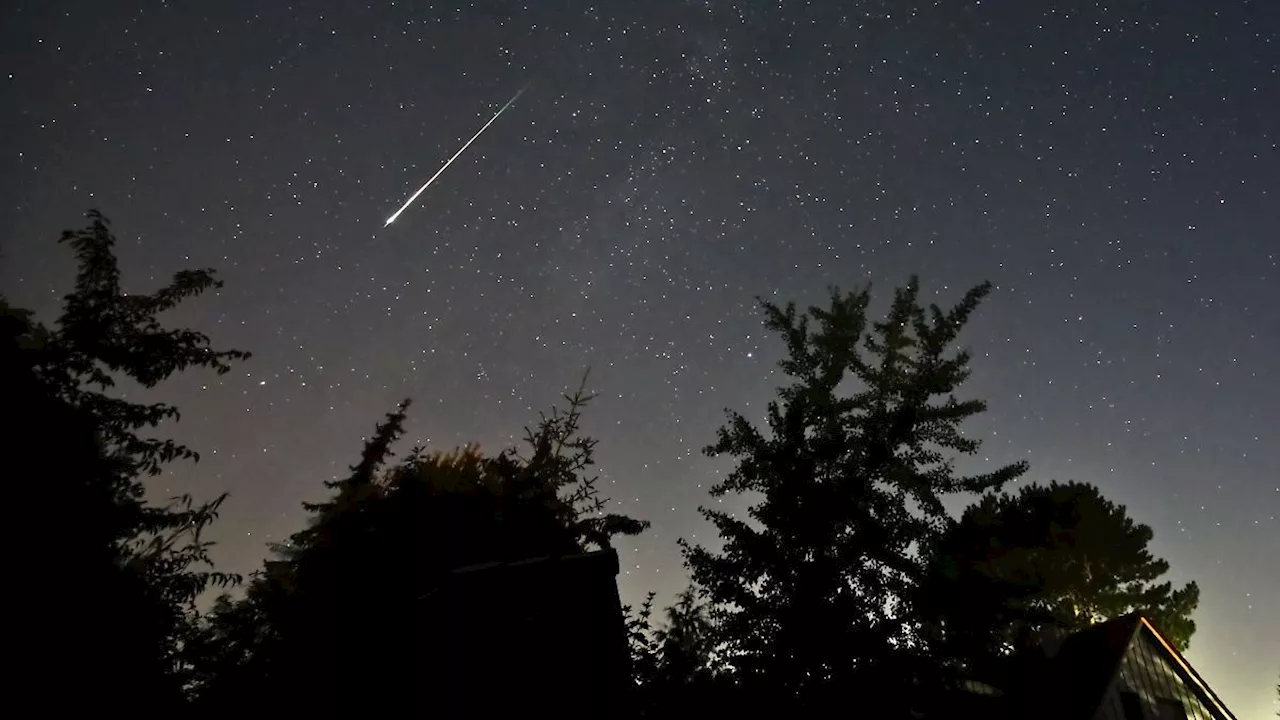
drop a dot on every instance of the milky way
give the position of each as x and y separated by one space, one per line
1111 167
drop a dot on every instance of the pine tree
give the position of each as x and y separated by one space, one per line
136 565
1051 556
810 594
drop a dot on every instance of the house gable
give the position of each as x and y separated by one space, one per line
1153 676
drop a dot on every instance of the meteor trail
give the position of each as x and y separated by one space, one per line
427 184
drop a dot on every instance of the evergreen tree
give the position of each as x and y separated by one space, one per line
810 595
114 585
345 604
1058 556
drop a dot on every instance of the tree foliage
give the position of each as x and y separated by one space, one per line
846 579
674 664
340 607
809 595
118 576
687 641
1059 555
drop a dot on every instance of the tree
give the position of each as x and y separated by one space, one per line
687 640
810 597
1057 556
137 566
643 646
674 665
342 605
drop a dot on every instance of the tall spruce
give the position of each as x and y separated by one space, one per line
1059 556
811 592
114 584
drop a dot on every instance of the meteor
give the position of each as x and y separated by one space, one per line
427 184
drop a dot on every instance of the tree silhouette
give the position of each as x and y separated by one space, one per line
117 580
810 595
1059 556
343 606
674 664
687 640
641 642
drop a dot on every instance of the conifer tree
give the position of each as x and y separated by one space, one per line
343 603
810 592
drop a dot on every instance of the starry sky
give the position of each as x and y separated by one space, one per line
1111 166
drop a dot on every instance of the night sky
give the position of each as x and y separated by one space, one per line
1111 167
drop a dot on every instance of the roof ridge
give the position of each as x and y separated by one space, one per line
1197 683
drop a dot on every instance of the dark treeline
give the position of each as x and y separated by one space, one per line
847 580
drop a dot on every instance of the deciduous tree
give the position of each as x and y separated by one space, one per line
674 664
113 581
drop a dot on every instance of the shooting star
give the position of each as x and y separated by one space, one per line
427 184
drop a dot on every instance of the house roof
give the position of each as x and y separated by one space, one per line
601 564
1083 668
1079 674
1189 674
